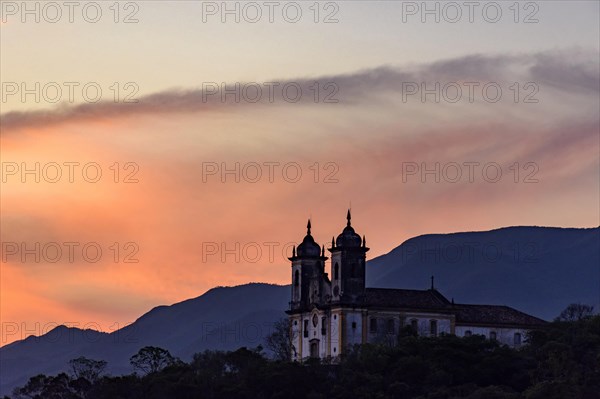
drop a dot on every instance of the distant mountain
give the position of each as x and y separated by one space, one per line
42 355
223 318
538 270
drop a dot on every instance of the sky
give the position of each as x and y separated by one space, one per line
152 150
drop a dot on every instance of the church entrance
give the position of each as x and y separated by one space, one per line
314 348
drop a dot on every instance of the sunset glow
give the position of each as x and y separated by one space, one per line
198 190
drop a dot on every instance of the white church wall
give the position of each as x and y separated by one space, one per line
353 328
444 323
336 333
384 330
323 332
296 334
334 328
504 335
350 326
306 333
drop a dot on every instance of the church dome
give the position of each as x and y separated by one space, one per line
348 238
309 247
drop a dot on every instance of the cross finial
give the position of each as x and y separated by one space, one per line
294 252
432 282
348 216
308 227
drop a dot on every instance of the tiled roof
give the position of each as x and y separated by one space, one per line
492 314
432 300
412 299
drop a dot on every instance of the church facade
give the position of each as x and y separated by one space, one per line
330 312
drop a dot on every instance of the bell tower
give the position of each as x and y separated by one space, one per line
308 272
348 260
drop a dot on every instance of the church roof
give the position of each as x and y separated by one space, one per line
434 301
348 238
413 299
494 314
308 247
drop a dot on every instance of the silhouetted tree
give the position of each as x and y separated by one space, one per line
560 361
576 312
88 369
43 387
32 389
151 359
280 340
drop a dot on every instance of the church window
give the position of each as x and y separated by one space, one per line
493 335
305 328
517 339
373 325
414 324
323 325
336 271
433 328
354 325
390 326
468 333
297 278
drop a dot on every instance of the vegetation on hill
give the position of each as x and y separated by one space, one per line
561 361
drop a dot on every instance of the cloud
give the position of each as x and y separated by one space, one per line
573 72
172 211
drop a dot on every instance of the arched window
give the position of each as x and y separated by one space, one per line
373 325
390 326
468 333
414 324
336 271
296 278
433 328
493 335
517 339
305 331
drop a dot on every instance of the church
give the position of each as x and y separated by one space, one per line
330 312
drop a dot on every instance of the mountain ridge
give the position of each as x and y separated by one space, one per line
228 317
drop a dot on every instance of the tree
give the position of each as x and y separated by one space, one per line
88 369
494 392
43 387
32 389
576 312
560 361
151 359
280 340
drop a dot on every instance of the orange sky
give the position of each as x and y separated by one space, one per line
175 211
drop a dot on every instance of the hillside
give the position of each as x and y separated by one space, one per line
538 270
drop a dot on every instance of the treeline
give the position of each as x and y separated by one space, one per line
561 361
